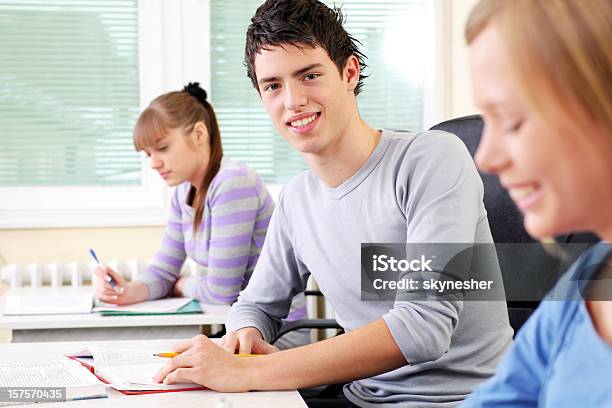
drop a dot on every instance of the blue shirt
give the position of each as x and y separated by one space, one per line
558 359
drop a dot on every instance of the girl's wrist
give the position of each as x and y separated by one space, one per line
177 289
140 291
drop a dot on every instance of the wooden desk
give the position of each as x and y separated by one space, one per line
187 399
97 327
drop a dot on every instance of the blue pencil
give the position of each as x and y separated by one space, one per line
109 278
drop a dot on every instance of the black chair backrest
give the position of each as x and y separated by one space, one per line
531 275
505 219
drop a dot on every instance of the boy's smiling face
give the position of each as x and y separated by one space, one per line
310 103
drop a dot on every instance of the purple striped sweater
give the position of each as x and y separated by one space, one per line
228 243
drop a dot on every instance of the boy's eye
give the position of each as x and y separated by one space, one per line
162 148
271 87
310 77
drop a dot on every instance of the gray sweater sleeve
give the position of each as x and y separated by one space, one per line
277 278
440 192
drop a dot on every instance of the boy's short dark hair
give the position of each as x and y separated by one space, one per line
299 23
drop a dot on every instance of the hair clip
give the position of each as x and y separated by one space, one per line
193 89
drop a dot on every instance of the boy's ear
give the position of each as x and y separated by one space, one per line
351 72
200 133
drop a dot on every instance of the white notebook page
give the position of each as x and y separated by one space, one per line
48 303
54 373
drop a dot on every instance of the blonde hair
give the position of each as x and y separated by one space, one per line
560 51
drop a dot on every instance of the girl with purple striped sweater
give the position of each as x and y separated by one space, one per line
219 213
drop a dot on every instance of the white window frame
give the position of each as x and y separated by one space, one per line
175 49
438 71
168 56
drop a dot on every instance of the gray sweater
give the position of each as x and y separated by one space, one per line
419 188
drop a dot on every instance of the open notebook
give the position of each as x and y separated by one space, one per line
45 303
78 381
127 370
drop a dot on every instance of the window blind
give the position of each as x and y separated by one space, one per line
394 38
70 92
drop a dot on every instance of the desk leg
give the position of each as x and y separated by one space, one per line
6 335
213 330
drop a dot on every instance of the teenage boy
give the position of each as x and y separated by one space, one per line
363 185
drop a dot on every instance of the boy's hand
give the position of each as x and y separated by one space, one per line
203 362
246 341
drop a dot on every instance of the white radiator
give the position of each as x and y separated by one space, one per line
78 273
74 273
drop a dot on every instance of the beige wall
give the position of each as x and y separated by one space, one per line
460 91
47 245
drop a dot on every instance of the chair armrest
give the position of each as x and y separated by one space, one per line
307 324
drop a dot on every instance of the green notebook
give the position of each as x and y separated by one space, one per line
190 308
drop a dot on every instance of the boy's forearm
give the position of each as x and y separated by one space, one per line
365 352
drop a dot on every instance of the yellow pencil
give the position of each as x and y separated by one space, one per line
174 354
166 355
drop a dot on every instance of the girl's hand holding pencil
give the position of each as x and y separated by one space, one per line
110 287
